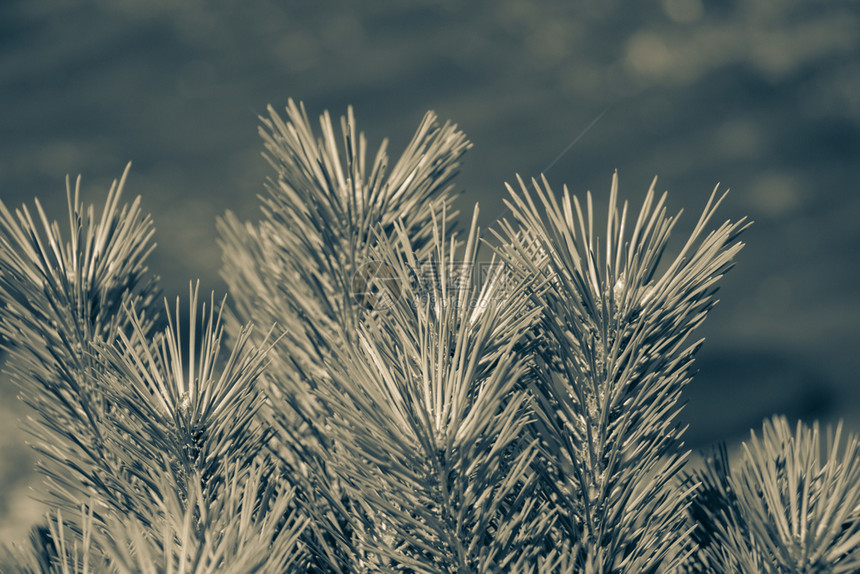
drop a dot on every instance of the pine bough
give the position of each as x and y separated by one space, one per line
378 398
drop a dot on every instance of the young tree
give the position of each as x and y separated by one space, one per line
377 398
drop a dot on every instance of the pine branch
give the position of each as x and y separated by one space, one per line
186 424
791 506
425 411
611 365
63 297
250 525
110 417
194 410
320 217
296 269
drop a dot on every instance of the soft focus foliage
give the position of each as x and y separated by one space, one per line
388 401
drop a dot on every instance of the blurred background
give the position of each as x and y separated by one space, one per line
761 96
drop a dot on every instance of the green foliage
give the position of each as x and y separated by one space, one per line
377 397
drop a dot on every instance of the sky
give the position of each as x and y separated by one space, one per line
761 97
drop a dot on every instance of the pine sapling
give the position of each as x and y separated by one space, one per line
377 397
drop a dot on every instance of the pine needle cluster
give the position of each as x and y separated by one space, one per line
376 396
